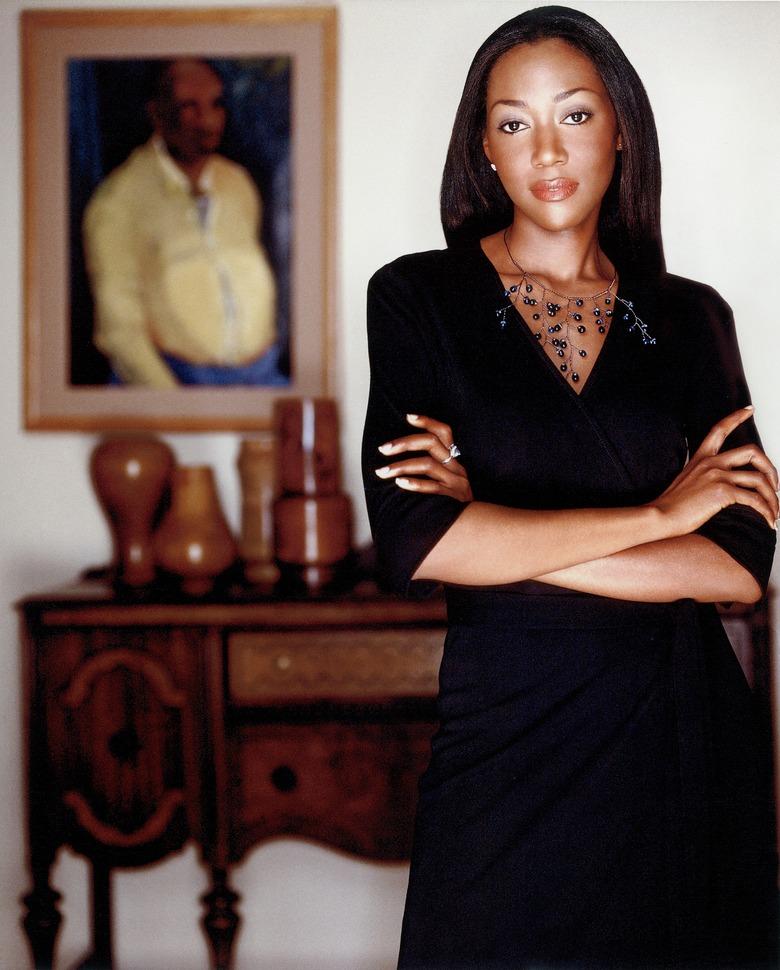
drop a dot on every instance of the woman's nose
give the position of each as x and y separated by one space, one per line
548 147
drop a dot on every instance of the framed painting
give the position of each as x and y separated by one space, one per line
179 179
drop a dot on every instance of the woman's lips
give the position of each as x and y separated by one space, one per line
554 190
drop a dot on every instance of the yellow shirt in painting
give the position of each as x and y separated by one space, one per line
177 272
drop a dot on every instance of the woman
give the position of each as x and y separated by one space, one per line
596 792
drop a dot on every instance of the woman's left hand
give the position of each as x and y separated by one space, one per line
443 474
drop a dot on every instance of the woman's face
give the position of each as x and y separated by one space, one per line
552 134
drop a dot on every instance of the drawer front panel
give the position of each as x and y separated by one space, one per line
333 665
352 786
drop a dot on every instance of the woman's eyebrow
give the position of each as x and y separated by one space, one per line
566 94
519 103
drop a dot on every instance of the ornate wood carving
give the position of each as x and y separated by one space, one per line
124 780
104 663
152 829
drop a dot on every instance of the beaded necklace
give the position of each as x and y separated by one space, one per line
567 317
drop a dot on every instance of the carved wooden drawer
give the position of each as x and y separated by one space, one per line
350 784
280 667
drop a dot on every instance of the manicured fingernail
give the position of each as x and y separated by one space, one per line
386 449
750 407
412 417
403 483
383 472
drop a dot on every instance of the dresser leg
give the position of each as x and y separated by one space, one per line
100 957
42 919
221 919
101 916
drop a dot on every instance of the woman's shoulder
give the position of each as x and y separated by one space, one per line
696 309
430 267
679 289
683 305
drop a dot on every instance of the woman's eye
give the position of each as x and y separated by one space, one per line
576 117
510 127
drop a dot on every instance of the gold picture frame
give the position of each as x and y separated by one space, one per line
55 43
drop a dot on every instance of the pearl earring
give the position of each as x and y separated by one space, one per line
493 166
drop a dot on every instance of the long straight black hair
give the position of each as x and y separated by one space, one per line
473 201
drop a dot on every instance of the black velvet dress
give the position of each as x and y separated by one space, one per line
597 791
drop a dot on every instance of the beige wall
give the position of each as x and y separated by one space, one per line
711 76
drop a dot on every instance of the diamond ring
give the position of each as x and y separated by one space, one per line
454 453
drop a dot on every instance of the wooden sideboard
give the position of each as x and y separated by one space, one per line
226 721
153 720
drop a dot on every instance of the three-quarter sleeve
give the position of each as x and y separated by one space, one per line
717 386
405 379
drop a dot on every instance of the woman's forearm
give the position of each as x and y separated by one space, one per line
491 544
684 567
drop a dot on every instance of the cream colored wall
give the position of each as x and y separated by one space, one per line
712 78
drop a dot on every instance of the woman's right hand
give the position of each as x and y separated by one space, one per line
436 473
713 480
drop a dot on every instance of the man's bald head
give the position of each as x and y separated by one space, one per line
188 109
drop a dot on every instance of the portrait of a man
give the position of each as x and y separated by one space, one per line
181 275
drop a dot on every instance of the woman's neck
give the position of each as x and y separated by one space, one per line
568 260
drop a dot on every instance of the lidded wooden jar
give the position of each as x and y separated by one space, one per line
312 516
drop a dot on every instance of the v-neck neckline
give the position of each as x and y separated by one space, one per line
537 348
